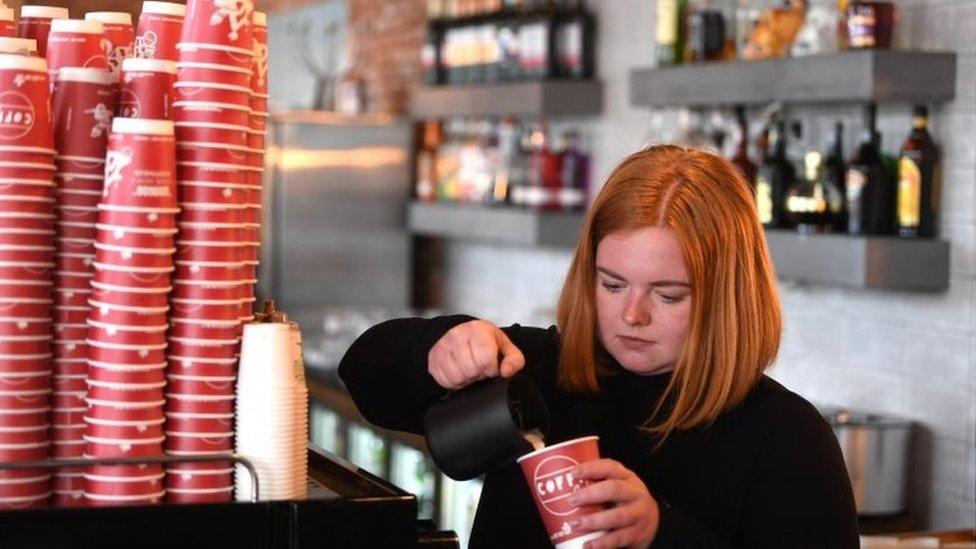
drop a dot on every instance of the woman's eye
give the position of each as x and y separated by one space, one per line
611 287
671 298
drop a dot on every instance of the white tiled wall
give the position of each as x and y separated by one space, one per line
912 355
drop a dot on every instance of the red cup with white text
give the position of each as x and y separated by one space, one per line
119 36
224 23
76 43
147 89
140 169
549 474
35 23
83 104
24 93
158 33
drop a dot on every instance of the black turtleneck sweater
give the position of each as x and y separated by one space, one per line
767 474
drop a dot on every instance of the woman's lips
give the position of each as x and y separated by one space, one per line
635 343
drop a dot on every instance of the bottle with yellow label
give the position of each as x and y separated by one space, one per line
918 185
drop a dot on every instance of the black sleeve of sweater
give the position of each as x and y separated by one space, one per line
799 495
385 371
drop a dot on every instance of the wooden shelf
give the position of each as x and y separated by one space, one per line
851 76
509 226
549 98
878 262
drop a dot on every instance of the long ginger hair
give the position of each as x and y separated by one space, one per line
736 322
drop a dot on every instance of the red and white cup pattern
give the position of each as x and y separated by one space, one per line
76 43
147 89
160 25
119 36
35 23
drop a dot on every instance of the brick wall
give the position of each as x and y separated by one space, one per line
907 354
385 38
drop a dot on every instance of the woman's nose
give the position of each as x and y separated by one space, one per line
636 313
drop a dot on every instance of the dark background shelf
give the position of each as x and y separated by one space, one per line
851 76
528 99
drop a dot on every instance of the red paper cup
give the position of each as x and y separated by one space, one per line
125 335
26 489
137 218
201 250
131 277
259 120
125 392
19 223
134 237
200 423
119 35
190 442
72 282
124 256
35 23
7 27
207 291
233 135
35 155
24 345
125 486
194 404
109 373
24 435
70 349
213 194
214 54
68 384
213 91
75 43
125 411
98 500
27 327
259 103
70 332
229 174
204 349
211 272
84 199
83 103
204 310
203 386
203 367
25 309
127 315
68 400
132 431
187 497
209 112
160 24
211 153
147 89
116 448
256 139
196 329
548 473
129 296
212 72
77 230
27 114
220 23
118 354
139 168
26 417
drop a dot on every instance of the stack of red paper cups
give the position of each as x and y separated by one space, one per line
26 262
212 113
256 150
119 36
147 89
75 43
35 23
160 24
127 325
82 104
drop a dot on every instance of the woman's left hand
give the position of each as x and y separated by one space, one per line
632 517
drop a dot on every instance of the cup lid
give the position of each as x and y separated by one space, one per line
259 19
6 14
136 64
164 8
9 44
110 17
142 126
43 12
90 76
10 61
81 26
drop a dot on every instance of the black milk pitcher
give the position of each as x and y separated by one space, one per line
483 425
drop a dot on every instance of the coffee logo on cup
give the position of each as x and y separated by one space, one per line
236 12
554 483
102 117
115 162
16 115
128 104
260 61
116 55
146 45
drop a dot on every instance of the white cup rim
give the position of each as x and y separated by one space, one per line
77 26
214 67
164 8
138 64
211 86
190 104
215 47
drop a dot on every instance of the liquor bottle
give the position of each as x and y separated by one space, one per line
575 172
669 37
806 200
574 42
870 191
430 136
918 179
832 176
741 158
706 31
775 174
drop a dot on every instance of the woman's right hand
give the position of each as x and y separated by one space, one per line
471 352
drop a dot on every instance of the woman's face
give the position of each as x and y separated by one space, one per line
643 298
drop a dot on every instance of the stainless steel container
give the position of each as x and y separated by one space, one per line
875 451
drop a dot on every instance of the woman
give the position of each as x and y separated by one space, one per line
667 320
